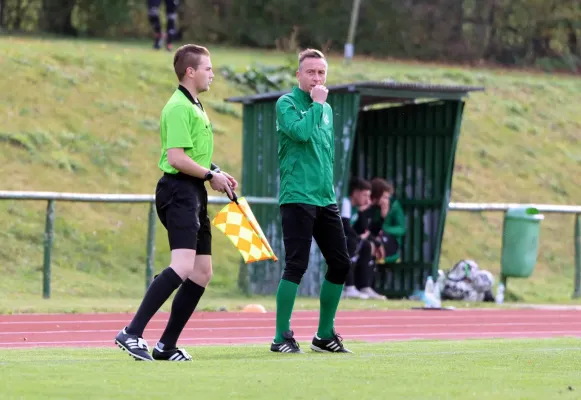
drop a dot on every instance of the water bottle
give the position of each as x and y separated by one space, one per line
437 299
429 285
500 293
429 294
439 286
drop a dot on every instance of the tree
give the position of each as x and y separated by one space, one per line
56 17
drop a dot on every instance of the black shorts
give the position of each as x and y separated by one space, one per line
182 207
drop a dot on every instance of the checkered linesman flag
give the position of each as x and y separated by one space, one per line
239 224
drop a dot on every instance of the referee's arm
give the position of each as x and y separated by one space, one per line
178 159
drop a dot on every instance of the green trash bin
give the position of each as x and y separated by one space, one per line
520 242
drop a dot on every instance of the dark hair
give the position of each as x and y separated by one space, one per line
379 186
358 184
188 56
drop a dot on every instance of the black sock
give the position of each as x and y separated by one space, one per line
158 292
182 308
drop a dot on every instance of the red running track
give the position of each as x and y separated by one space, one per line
222 328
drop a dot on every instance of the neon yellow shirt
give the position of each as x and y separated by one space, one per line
185 125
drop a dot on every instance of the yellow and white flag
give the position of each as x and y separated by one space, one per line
239 224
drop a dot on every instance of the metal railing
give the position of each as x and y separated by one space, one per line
544 208
52 197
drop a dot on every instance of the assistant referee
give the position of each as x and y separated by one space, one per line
182 206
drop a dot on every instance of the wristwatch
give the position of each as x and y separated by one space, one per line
209 175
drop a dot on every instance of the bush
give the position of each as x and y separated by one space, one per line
258 78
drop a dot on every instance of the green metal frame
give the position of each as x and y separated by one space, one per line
345 176
149 263
48 239
446 199
408 94
259 123
412 144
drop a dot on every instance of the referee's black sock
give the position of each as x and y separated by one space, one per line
182 308
158 292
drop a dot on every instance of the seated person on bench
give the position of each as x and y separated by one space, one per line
386 221
358 284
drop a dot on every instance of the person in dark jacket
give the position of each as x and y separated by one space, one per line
386 221
360 249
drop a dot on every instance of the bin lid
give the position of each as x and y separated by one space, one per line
528 213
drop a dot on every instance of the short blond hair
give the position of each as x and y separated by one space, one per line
188 56
310 53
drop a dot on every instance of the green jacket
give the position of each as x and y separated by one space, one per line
394 222
306 150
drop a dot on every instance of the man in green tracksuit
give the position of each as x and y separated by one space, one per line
308 204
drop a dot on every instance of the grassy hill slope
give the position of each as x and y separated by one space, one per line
82 116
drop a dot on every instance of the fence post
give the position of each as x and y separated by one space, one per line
48 237
577 289
149 267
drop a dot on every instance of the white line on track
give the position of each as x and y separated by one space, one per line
429 316
378 336
296 326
